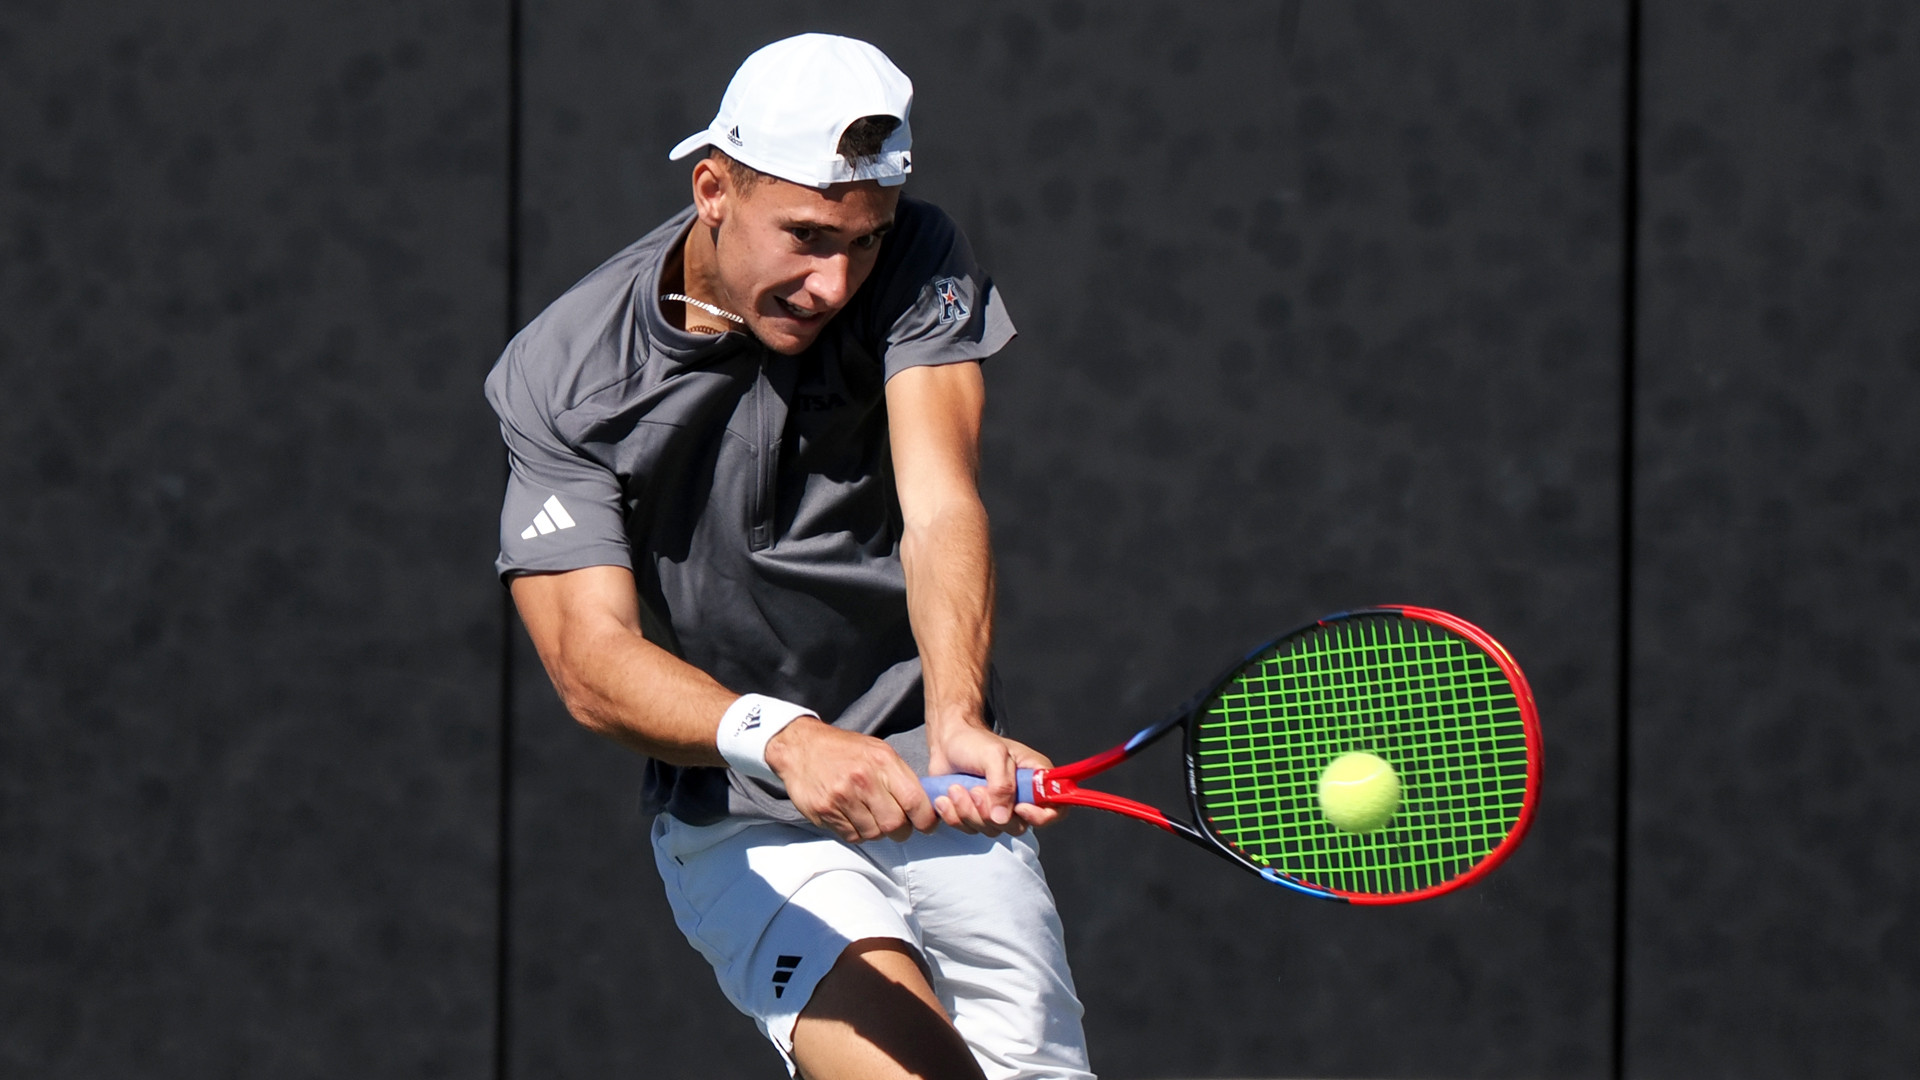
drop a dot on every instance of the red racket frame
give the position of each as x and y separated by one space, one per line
1060 785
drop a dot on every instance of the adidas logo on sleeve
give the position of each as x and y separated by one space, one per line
552 518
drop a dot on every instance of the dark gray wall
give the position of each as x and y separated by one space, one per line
250 268
1776 612
1321 305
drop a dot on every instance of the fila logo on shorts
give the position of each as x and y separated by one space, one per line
783 972
552 518
951 307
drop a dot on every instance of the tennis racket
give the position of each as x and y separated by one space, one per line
1431 694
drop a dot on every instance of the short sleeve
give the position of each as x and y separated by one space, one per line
563 510
943 307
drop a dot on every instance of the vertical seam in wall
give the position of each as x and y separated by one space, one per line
1629 332
503 847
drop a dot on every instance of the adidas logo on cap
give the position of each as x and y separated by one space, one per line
552 518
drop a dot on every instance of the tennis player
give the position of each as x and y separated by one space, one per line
743 531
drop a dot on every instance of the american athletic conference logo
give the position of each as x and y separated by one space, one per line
947 291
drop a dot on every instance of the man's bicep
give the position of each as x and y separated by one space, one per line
933 420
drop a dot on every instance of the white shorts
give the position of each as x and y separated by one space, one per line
772 906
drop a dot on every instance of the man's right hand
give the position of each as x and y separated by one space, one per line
855 785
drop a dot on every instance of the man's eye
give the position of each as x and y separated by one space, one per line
803 234
868 242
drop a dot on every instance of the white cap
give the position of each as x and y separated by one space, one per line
789 103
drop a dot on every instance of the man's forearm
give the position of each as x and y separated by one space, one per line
586 625
948 560
613 680
649 700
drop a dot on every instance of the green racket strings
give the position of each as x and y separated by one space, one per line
1432 704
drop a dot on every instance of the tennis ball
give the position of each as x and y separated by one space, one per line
1359 793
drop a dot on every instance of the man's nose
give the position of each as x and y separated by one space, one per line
828 282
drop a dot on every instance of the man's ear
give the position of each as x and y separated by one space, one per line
713 192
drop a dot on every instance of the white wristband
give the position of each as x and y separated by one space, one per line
746 728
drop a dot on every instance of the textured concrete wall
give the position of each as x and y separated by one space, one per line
1321 305
249 264
1777 607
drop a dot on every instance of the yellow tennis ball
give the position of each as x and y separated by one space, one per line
1359 793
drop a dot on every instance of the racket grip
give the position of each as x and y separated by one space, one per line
937 785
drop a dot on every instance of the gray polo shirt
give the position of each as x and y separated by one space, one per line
750 493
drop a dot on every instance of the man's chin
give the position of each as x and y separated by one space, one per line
785 339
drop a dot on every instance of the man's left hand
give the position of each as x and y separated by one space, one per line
989 808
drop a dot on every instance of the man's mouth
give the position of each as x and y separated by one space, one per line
798 313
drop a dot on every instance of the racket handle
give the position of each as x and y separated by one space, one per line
937 785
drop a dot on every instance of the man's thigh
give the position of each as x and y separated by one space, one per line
875 1017
773 907
991 936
